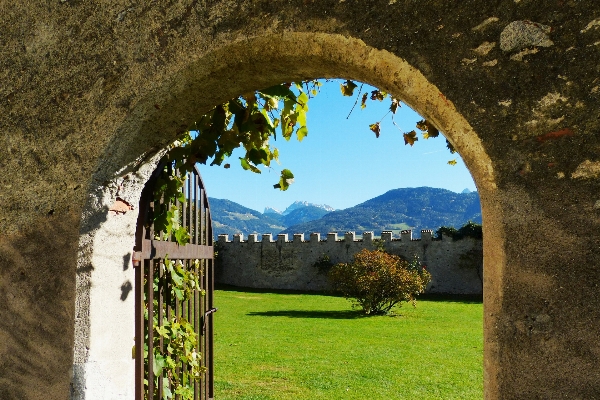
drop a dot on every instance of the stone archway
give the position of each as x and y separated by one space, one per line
331 56
91 90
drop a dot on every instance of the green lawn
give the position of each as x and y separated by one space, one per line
301 346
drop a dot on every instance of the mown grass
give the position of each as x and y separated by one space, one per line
308 346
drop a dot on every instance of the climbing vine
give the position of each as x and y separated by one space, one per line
175 343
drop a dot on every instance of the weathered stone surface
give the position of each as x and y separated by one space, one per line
520 34
90 90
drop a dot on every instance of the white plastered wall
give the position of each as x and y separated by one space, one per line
105 307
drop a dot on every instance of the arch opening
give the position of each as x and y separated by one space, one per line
211 79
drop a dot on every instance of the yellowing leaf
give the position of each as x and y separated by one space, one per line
301 118
378 95
394 106
452 162
347 88
363 102
303 101
302 133
410 138
273 103
426 126
375 128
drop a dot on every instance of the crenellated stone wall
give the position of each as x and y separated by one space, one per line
455 265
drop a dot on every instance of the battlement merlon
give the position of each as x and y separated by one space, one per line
426 235
315 237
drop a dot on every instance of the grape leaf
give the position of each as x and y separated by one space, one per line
302 133
363 101
378 95
285 180
278 91
347 88
410 138
182 236
375 128
248 167
426 126
394 106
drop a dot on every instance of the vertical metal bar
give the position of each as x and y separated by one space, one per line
177 313
209 329
190 224
197 210
209 232
202 217
150 297
166 289
202 339
197 325
139 330
184 214
166 298
160 316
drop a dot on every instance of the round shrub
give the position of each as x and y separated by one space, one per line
377 281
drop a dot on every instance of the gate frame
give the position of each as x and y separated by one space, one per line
148 249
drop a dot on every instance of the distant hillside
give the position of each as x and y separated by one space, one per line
231 218
407 208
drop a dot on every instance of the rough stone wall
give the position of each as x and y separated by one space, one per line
90 90
283 264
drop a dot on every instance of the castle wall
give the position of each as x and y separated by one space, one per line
290 264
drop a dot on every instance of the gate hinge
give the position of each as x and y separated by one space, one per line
136 258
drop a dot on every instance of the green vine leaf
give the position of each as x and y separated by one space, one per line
302 133
285 180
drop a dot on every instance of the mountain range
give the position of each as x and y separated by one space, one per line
395 210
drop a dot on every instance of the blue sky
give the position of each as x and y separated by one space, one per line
341 163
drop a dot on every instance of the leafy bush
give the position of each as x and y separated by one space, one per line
470 229
377 281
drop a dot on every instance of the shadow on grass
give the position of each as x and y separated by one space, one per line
449 298
342 314
452 298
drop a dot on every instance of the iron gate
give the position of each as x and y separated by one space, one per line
150 252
